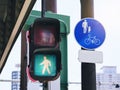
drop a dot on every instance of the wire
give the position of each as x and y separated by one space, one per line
9 80
74 82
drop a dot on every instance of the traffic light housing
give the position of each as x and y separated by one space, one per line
44 53
47 72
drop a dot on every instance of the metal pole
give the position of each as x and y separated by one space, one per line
87 8
43 9
45 86
23 80
88 69
52 6
48 5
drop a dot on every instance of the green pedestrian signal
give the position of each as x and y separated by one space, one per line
44 54
45 65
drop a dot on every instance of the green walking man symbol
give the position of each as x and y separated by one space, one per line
46 62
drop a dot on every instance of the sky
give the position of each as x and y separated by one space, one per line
106 12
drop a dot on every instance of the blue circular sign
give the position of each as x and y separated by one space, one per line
89 33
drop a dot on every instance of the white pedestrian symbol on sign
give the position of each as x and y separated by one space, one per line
46 64
86 27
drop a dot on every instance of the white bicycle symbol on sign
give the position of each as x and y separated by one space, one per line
91 40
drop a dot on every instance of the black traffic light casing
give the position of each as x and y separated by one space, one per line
44 53
56 67
49 26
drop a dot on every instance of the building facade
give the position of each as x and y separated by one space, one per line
15 77
108 79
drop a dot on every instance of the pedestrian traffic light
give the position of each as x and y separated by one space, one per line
44 53
46 65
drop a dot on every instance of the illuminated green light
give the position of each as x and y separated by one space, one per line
44 65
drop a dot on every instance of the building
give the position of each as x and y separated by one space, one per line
15 77
108 79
